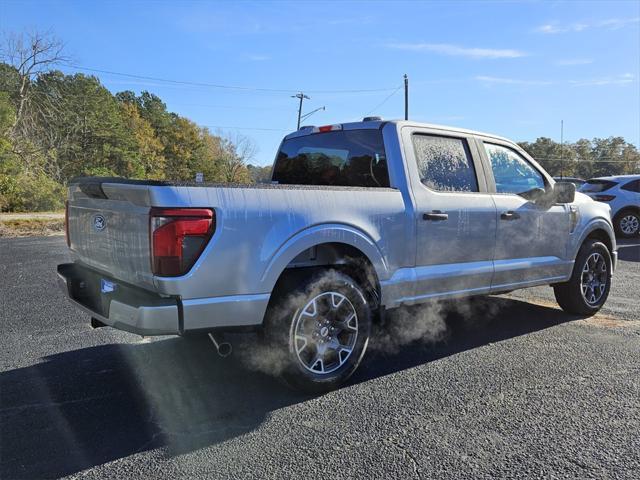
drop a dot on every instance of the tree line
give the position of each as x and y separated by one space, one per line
585 158
55 126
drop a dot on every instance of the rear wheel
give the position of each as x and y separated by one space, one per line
322 331
627 223
587 290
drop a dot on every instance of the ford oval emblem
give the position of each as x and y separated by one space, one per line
99 223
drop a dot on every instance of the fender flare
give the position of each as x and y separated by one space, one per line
318 235
599 223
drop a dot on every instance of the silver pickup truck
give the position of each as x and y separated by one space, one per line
359 217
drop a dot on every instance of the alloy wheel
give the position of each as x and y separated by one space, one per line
594 278
629 224
325 333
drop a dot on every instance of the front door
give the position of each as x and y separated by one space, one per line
455 215
531 238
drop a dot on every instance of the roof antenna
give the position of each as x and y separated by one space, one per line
406 97
562 149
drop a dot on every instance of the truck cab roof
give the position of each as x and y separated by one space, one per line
375 124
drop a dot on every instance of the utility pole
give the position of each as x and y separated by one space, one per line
561 148
301 96
406 97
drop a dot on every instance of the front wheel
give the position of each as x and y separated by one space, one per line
627 224
588 288
322 330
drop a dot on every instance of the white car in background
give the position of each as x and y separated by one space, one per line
622 193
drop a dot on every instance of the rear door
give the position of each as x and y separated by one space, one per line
531 240
455 215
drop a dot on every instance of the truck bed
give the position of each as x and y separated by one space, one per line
253 223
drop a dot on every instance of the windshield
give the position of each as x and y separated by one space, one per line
345 157
595 186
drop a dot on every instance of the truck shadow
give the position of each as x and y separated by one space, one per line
87 407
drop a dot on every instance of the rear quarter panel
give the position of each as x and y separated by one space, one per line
259 230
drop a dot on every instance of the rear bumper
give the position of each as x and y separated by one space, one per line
126 308
140 311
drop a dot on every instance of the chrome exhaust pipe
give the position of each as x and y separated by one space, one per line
224 349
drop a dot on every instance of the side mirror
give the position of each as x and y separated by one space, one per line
564 192
533 195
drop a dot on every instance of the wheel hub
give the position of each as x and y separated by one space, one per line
629 224
325 332
594 278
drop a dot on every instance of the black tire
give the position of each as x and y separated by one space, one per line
627 223
569 295
301 323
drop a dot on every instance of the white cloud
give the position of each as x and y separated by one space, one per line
455 50
555 28
569 62
623 79
610 80
509 81
615 23
610 24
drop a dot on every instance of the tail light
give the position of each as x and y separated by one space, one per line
178 237
603 198
66 223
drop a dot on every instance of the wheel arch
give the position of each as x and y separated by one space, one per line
628 208
341 246
598 230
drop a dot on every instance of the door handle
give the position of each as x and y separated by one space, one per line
435 216
510 215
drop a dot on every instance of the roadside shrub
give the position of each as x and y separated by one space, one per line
30 193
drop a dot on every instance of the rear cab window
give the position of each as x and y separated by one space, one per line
341 158
596 186
444 163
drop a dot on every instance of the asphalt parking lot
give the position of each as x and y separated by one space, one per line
512 388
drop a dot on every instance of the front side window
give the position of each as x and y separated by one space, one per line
445 164
343 157
512 173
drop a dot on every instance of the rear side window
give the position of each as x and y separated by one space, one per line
344 157
511 171
633 186
445 164
595 186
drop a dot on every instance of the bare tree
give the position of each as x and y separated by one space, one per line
30 54
238 150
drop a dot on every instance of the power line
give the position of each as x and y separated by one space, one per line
247 128
588 161
577 159
221 86
383 101
231 107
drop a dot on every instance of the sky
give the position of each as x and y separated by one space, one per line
511 68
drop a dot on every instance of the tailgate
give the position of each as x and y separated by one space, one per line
109 228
